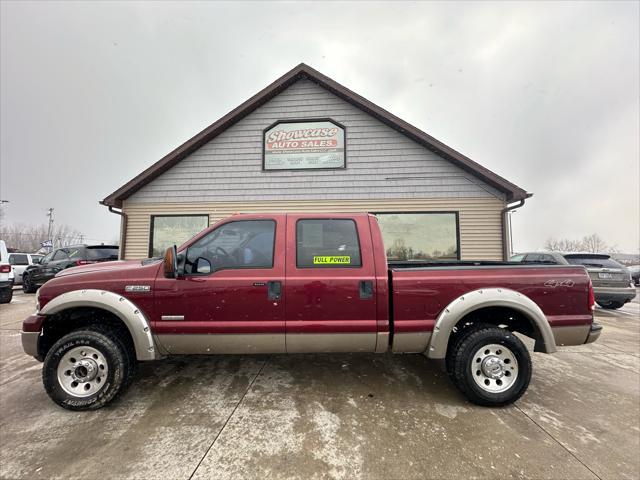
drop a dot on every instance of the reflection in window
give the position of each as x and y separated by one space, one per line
327 243
240 244
419 236
167 231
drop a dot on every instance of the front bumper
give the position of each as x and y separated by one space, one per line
614 294
31 331
30 343
594 332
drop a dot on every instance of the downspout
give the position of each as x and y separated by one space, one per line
123 230
506 241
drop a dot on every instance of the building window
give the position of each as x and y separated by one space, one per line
168 230
420 235
327 243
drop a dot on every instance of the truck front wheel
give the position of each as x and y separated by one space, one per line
86 369
490 366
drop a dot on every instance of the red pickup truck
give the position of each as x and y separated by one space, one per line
299 283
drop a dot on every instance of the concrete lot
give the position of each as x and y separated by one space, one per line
329 416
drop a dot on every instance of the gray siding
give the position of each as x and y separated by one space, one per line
381 162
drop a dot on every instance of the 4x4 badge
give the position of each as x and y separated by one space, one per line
559 283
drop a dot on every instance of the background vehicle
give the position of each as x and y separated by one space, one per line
612 282
6 275
302 283
20 262
51 264
634 270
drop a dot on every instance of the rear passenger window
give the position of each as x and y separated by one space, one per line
18 259
327 243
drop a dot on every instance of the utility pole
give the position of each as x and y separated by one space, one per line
50 215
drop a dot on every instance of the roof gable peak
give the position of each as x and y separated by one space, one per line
302 70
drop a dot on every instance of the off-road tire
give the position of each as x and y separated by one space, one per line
6 294
129 351
611 305
27 284
462 367
118 369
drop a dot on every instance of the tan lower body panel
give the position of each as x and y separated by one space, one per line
573 335
415 342
330 342
226 343
382 342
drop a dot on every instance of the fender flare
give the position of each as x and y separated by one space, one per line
123 308
483 298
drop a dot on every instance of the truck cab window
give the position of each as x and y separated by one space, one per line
241 244
327 243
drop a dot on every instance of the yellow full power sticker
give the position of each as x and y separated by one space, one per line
331 260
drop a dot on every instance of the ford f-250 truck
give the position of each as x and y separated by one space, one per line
299 283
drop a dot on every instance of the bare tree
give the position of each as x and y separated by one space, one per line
563 245
29 238
590 243
595 244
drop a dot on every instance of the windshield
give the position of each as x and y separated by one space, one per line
594 262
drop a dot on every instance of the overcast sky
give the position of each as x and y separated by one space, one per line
545 94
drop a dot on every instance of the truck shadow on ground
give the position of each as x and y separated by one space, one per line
396 378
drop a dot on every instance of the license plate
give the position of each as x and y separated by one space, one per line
605 275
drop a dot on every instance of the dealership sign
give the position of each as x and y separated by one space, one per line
304 145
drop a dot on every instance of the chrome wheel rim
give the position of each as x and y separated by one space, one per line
494 368
82 371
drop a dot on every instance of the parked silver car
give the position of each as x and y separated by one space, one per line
612 284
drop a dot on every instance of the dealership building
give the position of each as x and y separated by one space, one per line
308 144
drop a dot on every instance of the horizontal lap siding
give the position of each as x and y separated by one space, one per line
480 222
381 162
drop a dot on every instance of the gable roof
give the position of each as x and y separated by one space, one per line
302 71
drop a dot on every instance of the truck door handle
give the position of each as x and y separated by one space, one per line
274 290
366 289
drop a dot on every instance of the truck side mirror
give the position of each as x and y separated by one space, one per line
171 262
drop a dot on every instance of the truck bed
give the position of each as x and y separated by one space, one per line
420 292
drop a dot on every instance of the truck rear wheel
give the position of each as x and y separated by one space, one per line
86 369
490 366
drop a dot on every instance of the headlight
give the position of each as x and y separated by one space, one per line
37 300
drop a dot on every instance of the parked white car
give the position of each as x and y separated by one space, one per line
20 262
6 275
